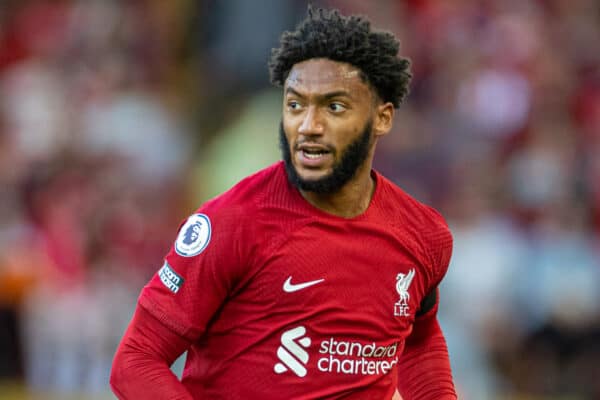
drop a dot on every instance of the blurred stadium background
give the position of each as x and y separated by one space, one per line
118 118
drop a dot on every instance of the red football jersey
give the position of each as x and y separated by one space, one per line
283 300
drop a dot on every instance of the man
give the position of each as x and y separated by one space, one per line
315 278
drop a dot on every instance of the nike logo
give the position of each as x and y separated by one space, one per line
289 287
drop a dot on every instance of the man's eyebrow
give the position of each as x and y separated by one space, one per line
325 96
337 93
289 90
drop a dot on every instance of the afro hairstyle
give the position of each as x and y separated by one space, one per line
349 39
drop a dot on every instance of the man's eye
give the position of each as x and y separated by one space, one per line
336 107
293 105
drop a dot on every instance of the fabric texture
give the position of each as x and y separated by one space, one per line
286 301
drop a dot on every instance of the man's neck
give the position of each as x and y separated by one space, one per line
350 201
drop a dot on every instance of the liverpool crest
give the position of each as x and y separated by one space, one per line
403 281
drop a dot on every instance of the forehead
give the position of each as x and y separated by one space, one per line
324 75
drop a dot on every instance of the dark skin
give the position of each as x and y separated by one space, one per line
326 106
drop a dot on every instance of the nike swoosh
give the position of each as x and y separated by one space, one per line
289 287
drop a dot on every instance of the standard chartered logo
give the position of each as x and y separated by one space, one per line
291 353
334 356
347 357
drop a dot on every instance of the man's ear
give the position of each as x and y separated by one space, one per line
383 119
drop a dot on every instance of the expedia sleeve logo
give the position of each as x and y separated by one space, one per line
194 236
170 278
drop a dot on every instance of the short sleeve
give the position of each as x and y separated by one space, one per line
440 244
439 240
442 252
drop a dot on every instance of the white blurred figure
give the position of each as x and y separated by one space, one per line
496 97
563 286
137 128
479 293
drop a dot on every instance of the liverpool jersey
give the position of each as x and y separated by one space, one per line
282 300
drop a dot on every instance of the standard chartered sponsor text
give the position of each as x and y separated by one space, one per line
356 358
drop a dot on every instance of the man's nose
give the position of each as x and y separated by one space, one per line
311 124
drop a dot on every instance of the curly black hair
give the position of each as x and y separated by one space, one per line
350 39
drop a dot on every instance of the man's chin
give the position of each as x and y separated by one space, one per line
312 176
322 185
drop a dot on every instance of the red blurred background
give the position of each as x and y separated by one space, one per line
118 118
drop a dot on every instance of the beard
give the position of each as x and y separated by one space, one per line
353 157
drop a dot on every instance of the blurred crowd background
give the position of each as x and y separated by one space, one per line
118 118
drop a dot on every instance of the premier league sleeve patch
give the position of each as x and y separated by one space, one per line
194 236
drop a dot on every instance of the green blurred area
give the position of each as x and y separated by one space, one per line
18 391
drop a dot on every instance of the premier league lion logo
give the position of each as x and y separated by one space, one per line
192 233
194 236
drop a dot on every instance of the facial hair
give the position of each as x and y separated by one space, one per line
353 157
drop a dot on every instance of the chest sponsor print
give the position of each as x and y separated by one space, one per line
333 356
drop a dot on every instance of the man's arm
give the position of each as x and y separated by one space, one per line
424 367
141 367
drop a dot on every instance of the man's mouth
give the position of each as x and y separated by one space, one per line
313 149
313 154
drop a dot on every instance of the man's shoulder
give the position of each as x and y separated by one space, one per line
405 208
423 223
249 193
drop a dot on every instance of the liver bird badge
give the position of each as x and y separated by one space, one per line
401 308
